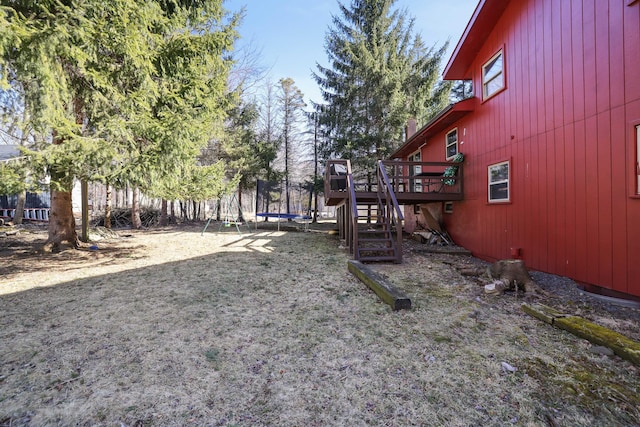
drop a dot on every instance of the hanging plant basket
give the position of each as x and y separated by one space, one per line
451 171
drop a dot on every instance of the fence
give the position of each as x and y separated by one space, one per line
31 214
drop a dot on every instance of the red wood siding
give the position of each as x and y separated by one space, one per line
566 123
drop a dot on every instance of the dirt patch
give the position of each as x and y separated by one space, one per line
171 327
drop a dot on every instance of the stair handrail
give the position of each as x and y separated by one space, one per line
353 210
391 206
383 179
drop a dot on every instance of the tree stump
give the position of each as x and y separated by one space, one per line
511 274
508 274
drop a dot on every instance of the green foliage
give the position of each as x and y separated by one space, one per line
452 171
380 75
194 182
82 158
240 146
14 178
128 90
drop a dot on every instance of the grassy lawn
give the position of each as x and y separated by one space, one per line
172 328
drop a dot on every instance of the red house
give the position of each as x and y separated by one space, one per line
551 139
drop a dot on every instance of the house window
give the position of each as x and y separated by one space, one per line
415 185
499 182
452 144
448 207
638 159
493 75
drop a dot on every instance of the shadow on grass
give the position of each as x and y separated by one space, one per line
110 348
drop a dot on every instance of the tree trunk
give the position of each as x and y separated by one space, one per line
173 211
286 186
107 208
183 211
315 170
62 224
240 215
19 214
315 214
136 222
84 185
163 212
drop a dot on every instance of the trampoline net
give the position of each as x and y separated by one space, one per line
271 197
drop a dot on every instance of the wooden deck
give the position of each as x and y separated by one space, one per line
413 183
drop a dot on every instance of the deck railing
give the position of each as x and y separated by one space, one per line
388 203
352 206
424 177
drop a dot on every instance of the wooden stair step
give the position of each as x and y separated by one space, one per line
374 240
376 249
377 258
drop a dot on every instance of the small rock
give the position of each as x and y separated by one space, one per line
508 368
602 350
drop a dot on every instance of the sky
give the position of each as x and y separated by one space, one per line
290 34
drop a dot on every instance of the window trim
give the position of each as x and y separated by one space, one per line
637 159
446 144
633 160
507 181
502 74
415 185
448 207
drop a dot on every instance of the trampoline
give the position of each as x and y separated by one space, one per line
272 199
280 216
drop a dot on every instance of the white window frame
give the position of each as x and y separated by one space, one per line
415 184
638 159
500 181
447 144
486 80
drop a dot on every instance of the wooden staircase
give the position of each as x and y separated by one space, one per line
371 223
375 241
369 216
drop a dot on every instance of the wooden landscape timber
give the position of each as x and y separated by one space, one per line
621 345
382 287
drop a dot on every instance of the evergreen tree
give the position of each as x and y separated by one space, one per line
270 133
242 149
461 90
291 106
380 75
123 85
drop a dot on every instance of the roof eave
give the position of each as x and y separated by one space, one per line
444 118
482 22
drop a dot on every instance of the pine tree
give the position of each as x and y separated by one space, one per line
125 85
269 132
241 148
380 75
291 106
